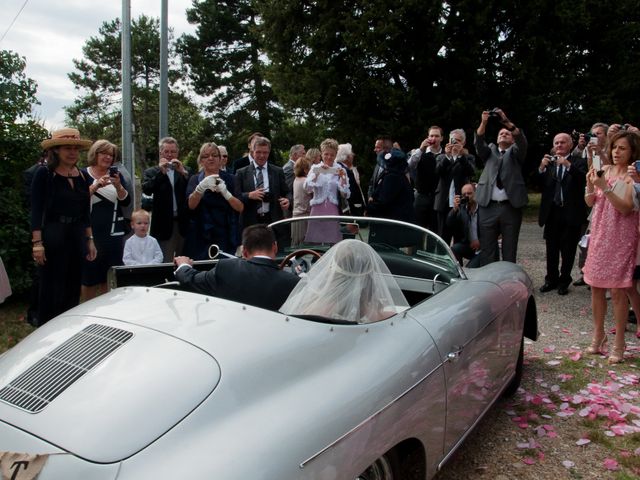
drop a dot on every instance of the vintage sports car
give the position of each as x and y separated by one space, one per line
157 382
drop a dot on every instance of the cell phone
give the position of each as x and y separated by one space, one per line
453 141
595 163
593 140
113 171
637 165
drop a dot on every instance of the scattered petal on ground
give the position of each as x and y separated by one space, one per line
528 461
583 441
610 464
568 464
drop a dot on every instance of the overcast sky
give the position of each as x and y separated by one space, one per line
51 34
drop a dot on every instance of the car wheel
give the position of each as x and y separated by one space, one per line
515 382
384 468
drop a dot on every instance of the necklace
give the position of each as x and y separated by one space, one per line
69 172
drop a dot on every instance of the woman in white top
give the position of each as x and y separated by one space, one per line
327 183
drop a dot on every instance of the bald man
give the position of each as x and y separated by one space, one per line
562 210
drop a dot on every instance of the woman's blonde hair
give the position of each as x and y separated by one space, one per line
330 144
101 146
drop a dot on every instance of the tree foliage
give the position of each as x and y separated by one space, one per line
226 65
370 66
97 111
20 137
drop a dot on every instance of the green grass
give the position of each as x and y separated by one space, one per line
13 326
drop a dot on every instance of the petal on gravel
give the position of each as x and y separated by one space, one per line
549 349
553 363
583 441
575 356
528 461
552 435
610 464
568 464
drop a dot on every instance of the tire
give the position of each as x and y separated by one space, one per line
384 468
515 382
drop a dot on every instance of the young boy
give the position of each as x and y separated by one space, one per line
141 248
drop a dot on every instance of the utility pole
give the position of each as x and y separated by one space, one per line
164 70
127 139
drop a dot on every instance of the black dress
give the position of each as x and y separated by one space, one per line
60 209
108 226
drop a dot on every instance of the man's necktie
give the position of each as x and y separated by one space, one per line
498 177
557 196
259 178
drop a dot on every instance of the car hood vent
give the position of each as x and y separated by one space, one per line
40 384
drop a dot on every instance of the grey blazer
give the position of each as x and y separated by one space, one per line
511 173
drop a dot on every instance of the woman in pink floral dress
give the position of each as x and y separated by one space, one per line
614 238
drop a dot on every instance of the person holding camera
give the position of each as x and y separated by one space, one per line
167 182
108 195
422 164
501 191
562 210
213 206
327 183
462 222
613 241
454 168
261 186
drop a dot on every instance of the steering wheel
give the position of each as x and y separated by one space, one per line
297 254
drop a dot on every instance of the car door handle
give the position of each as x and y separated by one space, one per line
454 356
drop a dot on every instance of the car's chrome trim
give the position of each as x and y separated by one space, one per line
370 417
473 426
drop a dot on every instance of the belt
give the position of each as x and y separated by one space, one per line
498 201
65 219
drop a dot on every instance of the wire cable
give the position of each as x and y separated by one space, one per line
14 20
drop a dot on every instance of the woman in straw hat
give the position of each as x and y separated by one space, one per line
60 224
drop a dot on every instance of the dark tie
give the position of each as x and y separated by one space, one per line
557 196
259 177
498 177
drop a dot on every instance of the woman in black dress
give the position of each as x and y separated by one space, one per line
60 227
108 196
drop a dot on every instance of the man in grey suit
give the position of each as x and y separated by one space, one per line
254 279
501 191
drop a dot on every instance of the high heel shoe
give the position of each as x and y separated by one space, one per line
617 356
596 346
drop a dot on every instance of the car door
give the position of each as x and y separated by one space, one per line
470 324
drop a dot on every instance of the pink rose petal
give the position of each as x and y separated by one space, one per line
583 441
568 464
610 464
575 356
528 461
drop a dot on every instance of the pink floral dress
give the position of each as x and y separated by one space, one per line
613 242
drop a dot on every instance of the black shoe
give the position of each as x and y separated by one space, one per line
579 282
563 290
547 287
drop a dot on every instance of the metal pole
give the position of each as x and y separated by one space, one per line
164 70
127 141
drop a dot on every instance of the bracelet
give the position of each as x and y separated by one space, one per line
38 249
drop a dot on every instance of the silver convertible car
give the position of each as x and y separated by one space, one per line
157 382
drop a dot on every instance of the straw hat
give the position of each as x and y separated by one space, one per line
66 136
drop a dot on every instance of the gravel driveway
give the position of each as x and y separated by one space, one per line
575 416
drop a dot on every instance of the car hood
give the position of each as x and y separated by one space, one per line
102 408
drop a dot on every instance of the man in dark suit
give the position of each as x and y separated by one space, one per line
383 145
501 192
423 163
262 187
454 168
167 182
562 210
254 279
462 221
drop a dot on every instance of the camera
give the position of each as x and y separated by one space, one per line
170 166
552 159
623 127
453 141
588 137
267 197
493 113
113 171
637 165
464 200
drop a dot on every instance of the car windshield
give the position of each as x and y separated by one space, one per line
408 250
